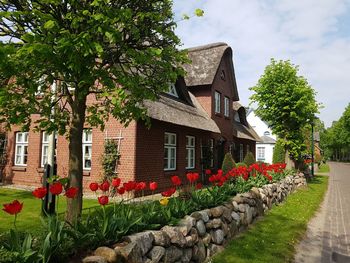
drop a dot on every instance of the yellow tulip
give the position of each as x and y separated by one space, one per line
164 201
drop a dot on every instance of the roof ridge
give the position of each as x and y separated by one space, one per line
207 46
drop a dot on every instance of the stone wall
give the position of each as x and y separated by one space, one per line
201 234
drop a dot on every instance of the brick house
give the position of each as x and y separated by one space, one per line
192 127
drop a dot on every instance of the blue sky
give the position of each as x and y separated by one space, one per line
314 34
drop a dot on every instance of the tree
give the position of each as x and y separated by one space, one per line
228 163
249 159
117 53
278 152
287 103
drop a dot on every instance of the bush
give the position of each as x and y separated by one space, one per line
241 164
278 153
228 164
249 159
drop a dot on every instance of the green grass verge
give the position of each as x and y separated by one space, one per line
324 168
272 239
29 218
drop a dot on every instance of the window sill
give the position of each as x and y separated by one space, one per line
19 168
86 172
40 170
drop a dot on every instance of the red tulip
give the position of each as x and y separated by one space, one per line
103 200
169 192
153 186
93 187
192 177
40 192
104 186
199 186
72 192
121 190
129 186
116 182
176 180
207 171
140 186
56 188
13 208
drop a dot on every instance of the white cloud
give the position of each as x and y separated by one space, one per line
306 32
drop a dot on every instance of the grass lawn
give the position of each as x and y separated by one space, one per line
324 168
272 239
29 218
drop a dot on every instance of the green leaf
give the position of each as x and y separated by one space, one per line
199 12
185 17
49 24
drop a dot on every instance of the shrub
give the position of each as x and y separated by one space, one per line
278 153
241 164
228 164
249 159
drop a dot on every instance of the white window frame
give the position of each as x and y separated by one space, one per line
21 156
44 145
87 143
217 101
241 153
212 152
190 152
261 153
170 142
226 107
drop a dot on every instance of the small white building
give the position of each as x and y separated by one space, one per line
264 148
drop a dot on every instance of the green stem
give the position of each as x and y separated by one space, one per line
14 222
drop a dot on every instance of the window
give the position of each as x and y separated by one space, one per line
21 150
227 107
87 149
267 133
241 153
169 151
261 153
211 152
190 152
172 90
45 148
217 102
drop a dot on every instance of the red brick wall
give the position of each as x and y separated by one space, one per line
150 152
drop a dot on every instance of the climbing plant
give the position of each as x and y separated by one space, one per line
110 158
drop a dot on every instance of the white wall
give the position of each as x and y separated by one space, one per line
258 125
268 152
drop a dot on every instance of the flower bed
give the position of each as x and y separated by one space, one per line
201 234
219 217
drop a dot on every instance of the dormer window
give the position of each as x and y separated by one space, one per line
217 102
172 91
267 133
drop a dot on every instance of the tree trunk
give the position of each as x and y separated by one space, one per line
74 206
289 162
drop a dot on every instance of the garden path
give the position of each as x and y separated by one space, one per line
328 234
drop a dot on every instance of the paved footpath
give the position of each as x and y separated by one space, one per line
328 233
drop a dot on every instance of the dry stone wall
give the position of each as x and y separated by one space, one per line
201 234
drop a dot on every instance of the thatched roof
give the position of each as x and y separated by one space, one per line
205 63
245 132
267 139
169 110
236 105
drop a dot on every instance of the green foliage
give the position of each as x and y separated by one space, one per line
286 102
249 159
116 52
241 164
299 208
228 163
110 158
335 141
278 152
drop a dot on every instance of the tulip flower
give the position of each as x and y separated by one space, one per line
72 192
13 208
116 182
40 192
93 186
121 190
103 200
153 186
169 192
104 186
56 188
164 201
176 180
140 186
